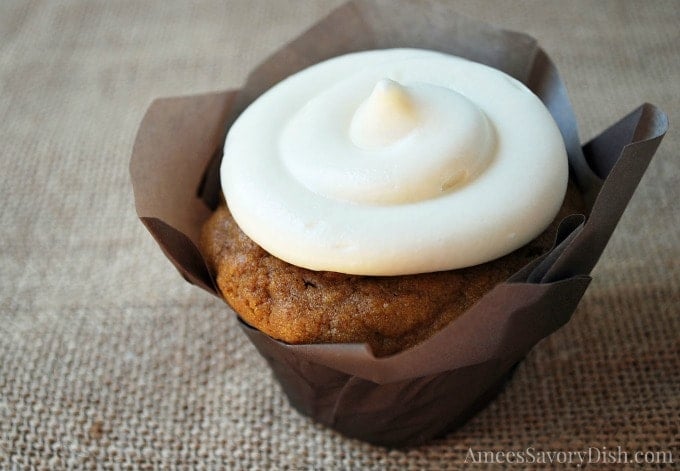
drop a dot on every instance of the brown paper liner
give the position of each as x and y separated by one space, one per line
422 392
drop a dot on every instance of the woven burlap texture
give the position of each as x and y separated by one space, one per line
108 358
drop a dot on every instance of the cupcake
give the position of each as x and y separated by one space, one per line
444 336
378 211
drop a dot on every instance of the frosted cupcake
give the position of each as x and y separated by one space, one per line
423 359
380 194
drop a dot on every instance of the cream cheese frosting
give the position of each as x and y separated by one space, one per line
393 162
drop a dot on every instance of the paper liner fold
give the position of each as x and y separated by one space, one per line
421 392
175 145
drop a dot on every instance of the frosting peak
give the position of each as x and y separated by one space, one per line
401 144
386 116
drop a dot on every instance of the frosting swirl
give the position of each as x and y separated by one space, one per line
394 162
400 144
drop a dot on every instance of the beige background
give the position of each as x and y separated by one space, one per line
107 356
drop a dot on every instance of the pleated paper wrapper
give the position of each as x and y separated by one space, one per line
425 391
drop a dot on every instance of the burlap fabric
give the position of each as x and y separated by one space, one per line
109 359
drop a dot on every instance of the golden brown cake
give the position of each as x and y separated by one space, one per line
298 306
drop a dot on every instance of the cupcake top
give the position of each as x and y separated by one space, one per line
394 162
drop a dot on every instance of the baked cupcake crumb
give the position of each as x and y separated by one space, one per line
298 306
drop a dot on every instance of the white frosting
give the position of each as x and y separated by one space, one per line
401 144
394 162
